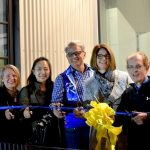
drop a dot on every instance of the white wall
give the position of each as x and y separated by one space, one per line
144 43
46 27
121 37
128 27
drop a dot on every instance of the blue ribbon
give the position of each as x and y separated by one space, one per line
52 107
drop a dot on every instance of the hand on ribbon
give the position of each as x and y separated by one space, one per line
57 110
9 115
139 117
27 113
79 112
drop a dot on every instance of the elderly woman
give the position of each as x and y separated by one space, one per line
107 84
10 81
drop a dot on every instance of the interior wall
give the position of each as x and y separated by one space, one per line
125 26
121 37
47 26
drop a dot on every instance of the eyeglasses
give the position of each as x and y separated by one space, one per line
71 54
137 67
100 56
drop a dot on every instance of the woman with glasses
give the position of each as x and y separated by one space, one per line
37 92
10 82
107 84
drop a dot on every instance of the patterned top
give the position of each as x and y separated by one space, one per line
69 85
107 88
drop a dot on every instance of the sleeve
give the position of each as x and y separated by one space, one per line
122 116
23 97
58 90
148 116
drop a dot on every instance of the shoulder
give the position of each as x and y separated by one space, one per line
24 91
59 78
122 73
91 81
2 88
23 96
3 92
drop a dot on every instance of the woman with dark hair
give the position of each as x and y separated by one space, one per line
37 92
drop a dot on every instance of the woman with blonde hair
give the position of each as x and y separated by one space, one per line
10 82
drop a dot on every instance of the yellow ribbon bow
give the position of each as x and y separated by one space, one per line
101 117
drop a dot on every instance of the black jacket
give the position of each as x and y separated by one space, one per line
8 128
134 99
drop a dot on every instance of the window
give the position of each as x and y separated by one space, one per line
6 48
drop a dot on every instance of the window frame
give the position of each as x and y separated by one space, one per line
9 23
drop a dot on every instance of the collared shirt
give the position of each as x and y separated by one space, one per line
77 80
138 86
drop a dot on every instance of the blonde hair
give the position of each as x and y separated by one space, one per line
15 69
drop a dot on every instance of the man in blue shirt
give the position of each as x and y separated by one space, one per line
68 90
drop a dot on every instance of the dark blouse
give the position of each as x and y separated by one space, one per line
8 128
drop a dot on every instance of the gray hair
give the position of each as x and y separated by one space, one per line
74 43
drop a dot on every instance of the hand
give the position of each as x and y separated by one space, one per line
57 110
9 115
139 118
27 113
79 112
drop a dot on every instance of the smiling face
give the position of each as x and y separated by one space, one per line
75 56
41 71
10 79
103 60
136 68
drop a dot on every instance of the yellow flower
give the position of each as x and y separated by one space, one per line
101 118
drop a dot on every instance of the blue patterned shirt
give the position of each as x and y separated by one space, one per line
74 84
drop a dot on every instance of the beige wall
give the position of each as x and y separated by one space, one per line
125 26
46 26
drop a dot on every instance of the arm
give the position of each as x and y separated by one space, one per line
57 96
58 90
24 100
121 119
23 96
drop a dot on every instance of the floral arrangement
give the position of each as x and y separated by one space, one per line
101 117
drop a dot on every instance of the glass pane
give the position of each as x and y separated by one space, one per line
3 41
3 62
3 10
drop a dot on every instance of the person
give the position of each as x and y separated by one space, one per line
37 92
135 103
68 90
10 82
107 83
